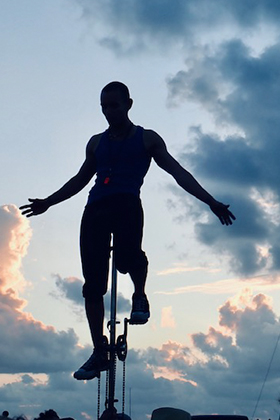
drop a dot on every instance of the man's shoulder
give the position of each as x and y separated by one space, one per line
150 138
94 142
96 137
149 132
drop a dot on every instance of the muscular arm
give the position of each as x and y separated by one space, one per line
157 148
72 187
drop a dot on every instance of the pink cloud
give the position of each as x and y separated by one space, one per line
40 345
14 240
167 318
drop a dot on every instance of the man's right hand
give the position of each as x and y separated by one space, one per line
35 207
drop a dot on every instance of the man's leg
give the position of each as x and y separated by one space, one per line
95 251
94 241
95 317
140 311
139 276
130 258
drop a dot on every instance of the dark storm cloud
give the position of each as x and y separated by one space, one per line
71 289
239 163
138 24
252 105
244 96
239 242
39 345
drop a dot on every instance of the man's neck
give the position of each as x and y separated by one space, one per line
120 131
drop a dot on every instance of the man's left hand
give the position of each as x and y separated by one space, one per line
222 212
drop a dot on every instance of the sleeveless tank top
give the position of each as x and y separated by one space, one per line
120 166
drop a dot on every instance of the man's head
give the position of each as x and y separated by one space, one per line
119 86
115 103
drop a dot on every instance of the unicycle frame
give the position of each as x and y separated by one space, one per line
117 346
113 322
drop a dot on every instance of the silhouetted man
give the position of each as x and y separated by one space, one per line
120 157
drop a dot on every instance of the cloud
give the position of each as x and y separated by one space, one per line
251 105
183 268
14 241
161 24
40 347
26 345
237 82
230 286
241 92
225 367
71 289
236 351
167 318
220 370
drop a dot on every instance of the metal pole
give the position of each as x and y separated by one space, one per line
112 368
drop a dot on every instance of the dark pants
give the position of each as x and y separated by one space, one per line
122 216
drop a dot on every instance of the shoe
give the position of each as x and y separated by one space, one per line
140 312
98 362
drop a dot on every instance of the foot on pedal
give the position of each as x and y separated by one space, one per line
140 312
98 362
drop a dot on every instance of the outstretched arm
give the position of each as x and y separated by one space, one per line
72 187
164 160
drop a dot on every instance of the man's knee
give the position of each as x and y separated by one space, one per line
129 261
93 293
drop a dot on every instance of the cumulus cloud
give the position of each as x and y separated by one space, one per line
235 353
224 369
219 371
167 318
40 347
244 166
14 241
26 345
71 289
144 24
